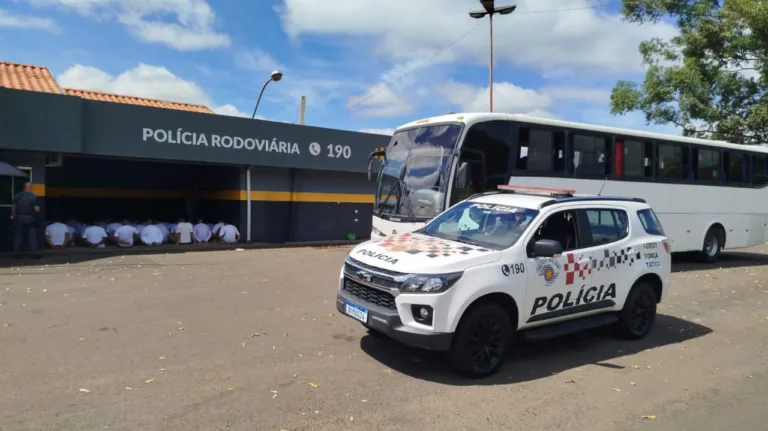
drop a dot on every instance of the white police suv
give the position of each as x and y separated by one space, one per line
539 263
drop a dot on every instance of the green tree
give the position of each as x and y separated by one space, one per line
711 79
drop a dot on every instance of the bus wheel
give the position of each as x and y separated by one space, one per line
712 245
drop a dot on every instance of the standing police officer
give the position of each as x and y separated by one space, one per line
24 211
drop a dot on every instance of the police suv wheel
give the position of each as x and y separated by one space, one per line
481 340
710 252
639 313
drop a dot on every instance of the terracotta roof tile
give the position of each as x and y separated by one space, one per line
131 100
27 77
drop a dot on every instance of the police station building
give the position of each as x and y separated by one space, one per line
96 156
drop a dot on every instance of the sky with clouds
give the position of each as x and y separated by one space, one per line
362 64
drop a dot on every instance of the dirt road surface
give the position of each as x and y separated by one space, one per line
251 340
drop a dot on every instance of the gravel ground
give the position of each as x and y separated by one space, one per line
251 340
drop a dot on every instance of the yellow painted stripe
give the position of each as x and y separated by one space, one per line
38 189
232 195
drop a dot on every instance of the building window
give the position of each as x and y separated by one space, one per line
590 158
709 165
670 161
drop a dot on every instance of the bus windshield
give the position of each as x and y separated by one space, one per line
413 180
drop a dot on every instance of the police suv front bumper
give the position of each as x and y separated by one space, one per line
388 322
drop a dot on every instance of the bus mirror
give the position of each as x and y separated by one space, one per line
381 155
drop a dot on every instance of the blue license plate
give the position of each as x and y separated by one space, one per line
356 311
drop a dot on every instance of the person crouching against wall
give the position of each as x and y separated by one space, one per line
151 234
125 234
57 235
184 232
202 231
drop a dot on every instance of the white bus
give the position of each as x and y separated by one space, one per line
708 195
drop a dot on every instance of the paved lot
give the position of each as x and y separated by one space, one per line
251 340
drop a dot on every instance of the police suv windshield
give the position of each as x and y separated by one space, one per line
486 225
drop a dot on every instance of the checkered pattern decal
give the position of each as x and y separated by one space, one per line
431 247
611 259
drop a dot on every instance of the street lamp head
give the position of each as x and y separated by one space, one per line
487 5
505 10
478 14
277 75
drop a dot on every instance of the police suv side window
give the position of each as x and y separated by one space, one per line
607 225
560 227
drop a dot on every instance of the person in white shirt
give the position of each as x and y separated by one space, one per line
216 228
125 234
112 227
184 232
73 236
228 234
57 235
152 234
164 229
74 231
80 233
202 231
95 236
171 232
139 227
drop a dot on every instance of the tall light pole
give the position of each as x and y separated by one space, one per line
490 10
275 76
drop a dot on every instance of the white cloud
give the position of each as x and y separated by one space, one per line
379 101
507 98
9 20
232 111
387 132
632 120
575 40
580 94
144 80
141 81
192 27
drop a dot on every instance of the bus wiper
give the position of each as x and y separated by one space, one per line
407 197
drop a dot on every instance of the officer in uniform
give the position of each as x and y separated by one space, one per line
24 212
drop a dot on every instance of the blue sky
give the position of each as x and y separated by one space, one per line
363 64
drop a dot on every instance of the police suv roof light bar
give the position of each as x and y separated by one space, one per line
530 190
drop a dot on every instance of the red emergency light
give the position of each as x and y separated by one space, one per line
536 190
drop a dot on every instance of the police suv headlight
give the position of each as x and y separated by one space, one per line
432 283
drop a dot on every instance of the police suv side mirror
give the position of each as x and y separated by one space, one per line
547 248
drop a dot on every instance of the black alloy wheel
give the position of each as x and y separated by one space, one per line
637 317
486 343
481 340
643 312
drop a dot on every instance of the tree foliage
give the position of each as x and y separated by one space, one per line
711 80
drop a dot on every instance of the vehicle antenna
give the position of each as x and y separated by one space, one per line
601 188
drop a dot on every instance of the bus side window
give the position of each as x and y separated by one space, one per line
541 150
635 161
708 164
759 170
590 156
736 168
671 162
